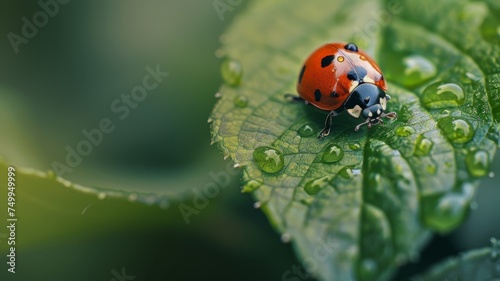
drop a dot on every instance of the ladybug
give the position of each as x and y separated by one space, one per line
338 77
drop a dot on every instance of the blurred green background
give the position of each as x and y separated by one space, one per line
65 79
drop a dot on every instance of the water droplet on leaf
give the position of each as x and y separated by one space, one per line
445 113
251 186
472 76
456 130
286 237
132 197
306 131
431 169
51 175
231 71
333 153
355 146
307 201
423 146
495 249
418 69
101 195
314 186
446 211
439 95
368 269
270 160
478 163
241 101
405 131
346 173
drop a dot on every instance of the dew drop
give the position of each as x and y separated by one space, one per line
332 153
132 197
314 186
218 95
51 175
270 160
346 173
257 205
251 186
423 146
445 113
368 269
491 175
405 131
439 95
307 201
478 163
431 169
231 71
306 131
101 195
457 130
495 249
418 68
375 180
355 146
471 76
240 101
286 237
449 210
150 199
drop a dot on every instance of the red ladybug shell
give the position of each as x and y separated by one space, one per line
331 73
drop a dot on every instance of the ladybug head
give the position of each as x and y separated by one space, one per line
369 101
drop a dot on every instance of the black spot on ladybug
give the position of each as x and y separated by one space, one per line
317 95
334 94
302 73
326 61
357 73
351 47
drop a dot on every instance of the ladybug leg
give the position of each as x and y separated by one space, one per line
390 115
294 98
328 125
368 121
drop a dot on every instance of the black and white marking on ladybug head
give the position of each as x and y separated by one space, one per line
369 101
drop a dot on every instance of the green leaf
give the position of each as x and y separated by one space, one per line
480 264
45 203
394 184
